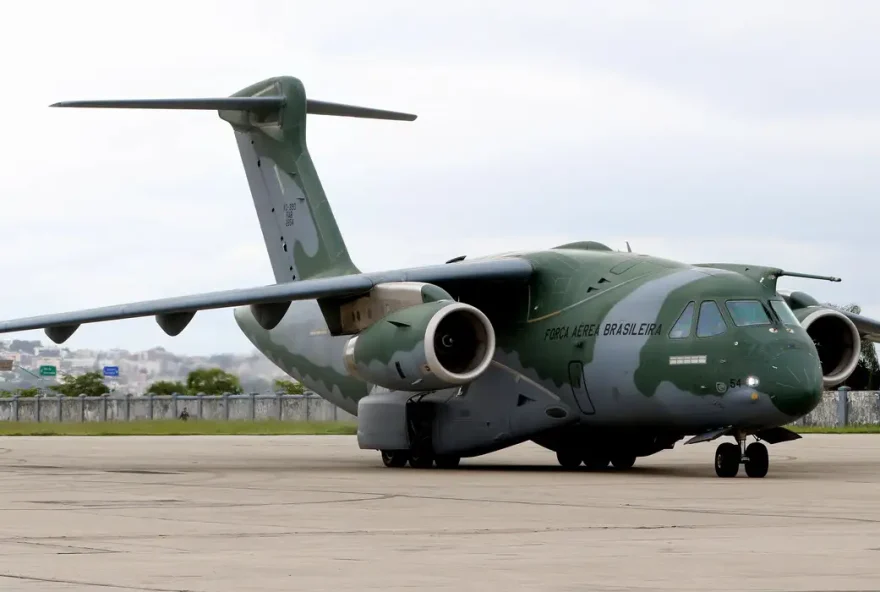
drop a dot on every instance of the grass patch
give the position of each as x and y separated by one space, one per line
855 429
269 427
172 427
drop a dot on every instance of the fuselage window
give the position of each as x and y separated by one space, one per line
783 311
711 322
682 327
747 312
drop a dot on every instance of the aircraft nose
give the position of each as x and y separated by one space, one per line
794 380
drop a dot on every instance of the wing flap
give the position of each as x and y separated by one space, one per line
173 314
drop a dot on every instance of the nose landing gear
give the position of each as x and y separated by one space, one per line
729 456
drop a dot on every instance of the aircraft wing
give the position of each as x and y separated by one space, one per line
173 314
868 328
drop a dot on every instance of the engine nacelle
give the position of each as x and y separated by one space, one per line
428 346
837 341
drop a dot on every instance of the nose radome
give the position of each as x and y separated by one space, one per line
794 381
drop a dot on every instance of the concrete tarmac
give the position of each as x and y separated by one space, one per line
240 513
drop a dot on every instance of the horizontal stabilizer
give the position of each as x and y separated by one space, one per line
220 104
340 110
263 103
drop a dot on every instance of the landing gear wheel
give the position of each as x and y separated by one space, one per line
727 457
568 459
623 462
758 460
395 458
424 460
447 462
596 462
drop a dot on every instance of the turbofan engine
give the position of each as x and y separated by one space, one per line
428 346
837 341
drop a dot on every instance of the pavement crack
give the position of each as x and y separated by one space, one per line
87 583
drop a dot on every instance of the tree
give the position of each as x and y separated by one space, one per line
866 376
167 387
27 392
21 392
90 384
288 387
212 381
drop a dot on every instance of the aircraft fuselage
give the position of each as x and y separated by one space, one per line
616 340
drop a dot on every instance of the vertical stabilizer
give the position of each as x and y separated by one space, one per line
269 120
301 234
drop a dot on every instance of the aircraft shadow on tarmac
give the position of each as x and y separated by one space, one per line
849 470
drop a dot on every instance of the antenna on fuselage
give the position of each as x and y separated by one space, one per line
628 248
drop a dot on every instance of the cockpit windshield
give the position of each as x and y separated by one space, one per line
783 311
748 312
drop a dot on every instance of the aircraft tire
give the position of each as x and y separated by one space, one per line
758 460
727 459
447 462
395 458
568 459
623 462
596 462
421 460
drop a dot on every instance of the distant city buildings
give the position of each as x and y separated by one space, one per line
137 370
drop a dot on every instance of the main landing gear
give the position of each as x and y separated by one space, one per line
729 456
572 459
420 460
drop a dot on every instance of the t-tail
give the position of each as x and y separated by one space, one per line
269 120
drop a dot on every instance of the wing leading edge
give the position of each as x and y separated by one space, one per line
173 314
868 328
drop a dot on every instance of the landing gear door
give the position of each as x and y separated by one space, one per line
579 388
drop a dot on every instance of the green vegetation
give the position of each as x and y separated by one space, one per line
24 392
288 387
207 381
166 387
178 428
90 384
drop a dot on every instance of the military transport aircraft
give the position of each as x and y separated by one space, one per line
602 356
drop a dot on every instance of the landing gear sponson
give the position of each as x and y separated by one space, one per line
594 461
419 460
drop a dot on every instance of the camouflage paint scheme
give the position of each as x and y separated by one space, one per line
629 377
583 355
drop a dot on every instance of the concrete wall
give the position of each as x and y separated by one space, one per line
225 407
838 408
843 407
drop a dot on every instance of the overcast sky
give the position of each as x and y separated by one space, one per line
742 132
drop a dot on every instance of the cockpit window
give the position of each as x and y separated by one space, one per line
682 327
711 322
748 312
783 311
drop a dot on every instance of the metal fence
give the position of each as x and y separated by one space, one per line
837 408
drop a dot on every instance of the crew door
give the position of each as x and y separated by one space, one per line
579 388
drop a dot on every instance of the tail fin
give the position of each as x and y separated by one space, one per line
269 120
